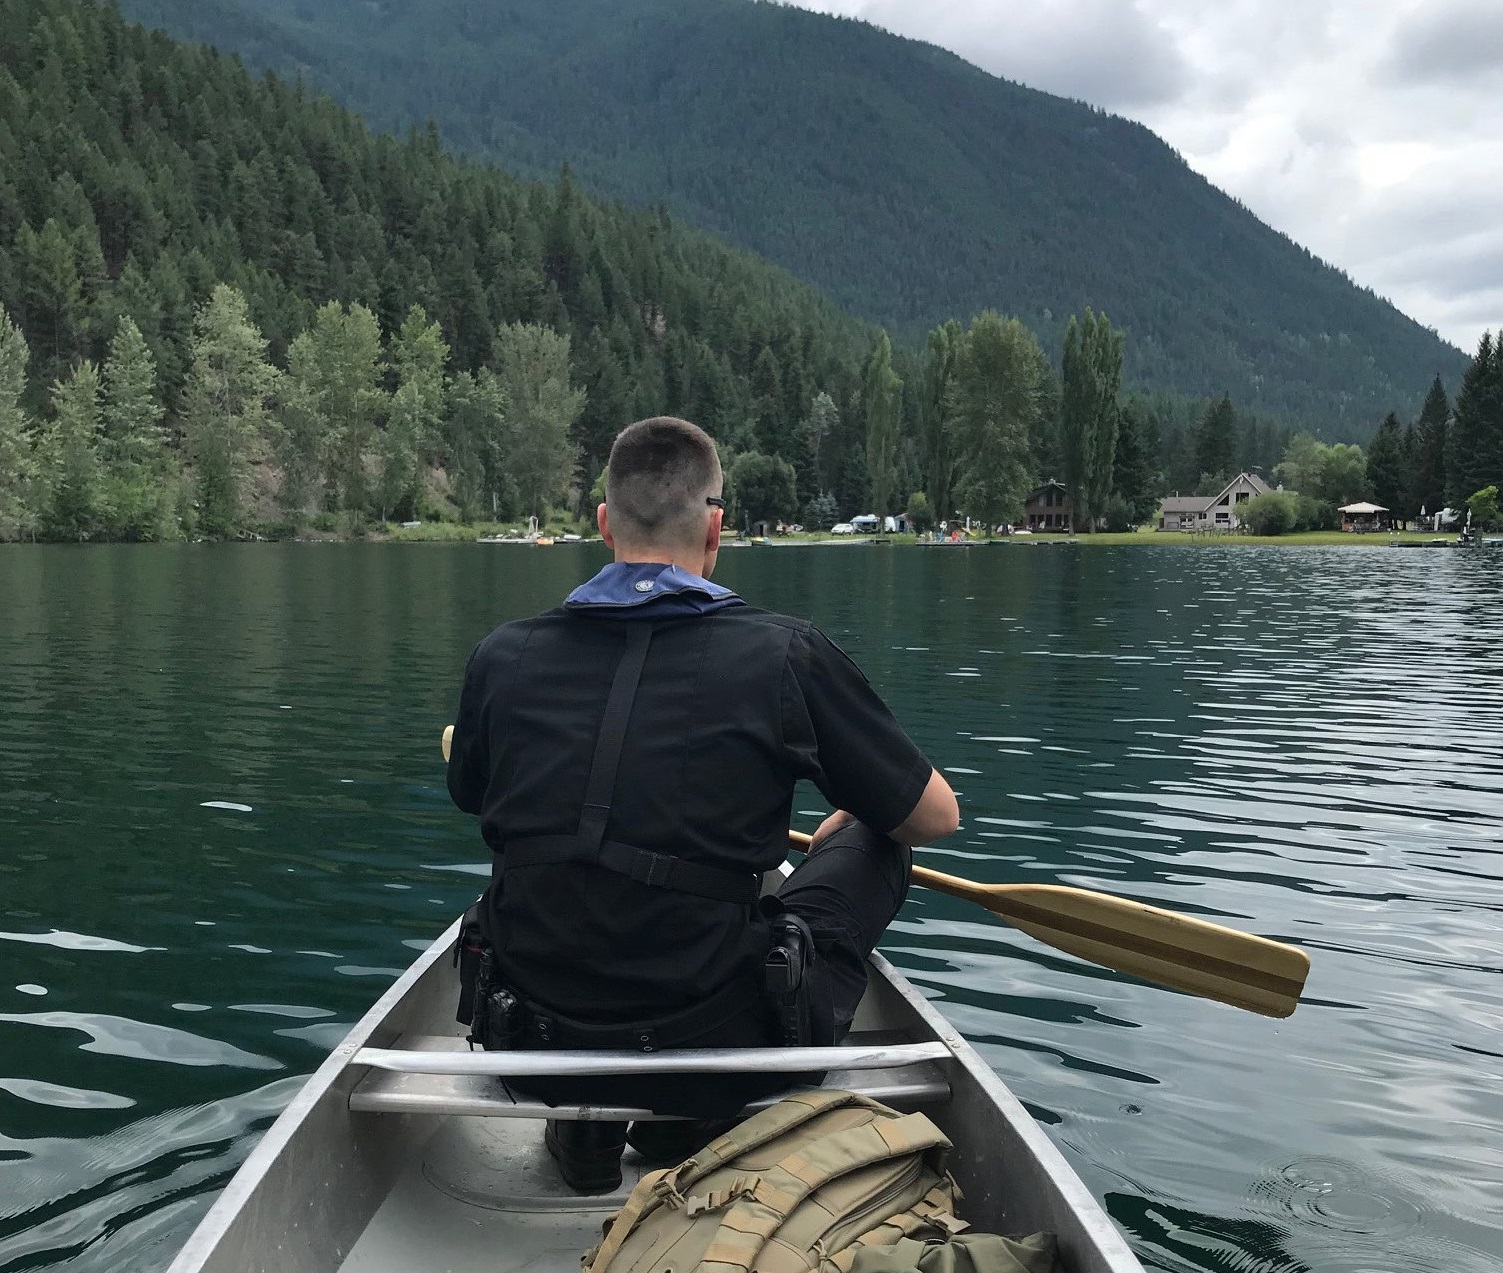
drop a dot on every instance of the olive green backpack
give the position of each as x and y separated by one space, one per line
813 1182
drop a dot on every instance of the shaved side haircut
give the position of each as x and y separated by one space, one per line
660 472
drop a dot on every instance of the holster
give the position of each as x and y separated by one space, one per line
786 979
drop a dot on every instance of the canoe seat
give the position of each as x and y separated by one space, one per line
906 1087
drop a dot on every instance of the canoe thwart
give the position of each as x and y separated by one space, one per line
908 1088
562 1064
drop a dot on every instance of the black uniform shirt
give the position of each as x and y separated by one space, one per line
733 708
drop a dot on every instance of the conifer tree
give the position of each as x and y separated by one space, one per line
1216 443
542 407
1386 469
883 399
1134 467
230 383
1474 448
137 492
16 461
49 298
1428 485
1092 375
75 508
1002 385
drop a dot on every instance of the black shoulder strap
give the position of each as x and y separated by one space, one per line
589 845
602 784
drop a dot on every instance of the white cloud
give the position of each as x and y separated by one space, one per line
1364 129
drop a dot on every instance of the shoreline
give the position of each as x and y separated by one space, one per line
451 535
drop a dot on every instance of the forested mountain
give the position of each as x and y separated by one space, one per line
139 175
908 184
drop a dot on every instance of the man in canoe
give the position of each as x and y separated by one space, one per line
632 756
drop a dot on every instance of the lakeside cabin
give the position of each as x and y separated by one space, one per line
1047 508
1218 512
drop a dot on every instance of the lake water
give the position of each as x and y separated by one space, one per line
223 831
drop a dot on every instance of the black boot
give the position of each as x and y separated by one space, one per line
588 1155
666 1144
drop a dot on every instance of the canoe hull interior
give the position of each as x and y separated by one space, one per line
353 1178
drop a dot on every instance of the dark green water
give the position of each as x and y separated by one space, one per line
1305 743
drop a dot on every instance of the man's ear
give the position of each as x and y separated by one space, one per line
604 521
712 536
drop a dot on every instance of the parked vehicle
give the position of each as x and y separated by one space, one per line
842 528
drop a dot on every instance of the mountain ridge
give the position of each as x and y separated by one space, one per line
907 183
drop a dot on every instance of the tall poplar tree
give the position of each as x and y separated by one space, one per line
936 405
418 355
1002 384
16 461
542 407
882 397
474 421
225 405
1091 377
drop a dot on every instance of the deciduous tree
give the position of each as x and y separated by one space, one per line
16 461
1091 377
230 385
882 396
1001 386
542 406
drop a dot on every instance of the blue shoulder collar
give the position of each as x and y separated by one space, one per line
650 590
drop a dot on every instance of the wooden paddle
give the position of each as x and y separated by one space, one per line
1172 950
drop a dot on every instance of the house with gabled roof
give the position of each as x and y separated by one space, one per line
1212 512
1047 507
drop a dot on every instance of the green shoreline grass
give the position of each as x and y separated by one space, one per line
450 533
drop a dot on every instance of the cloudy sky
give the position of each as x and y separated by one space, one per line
1371 131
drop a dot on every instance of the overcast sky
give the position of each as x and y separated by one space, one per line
1371 131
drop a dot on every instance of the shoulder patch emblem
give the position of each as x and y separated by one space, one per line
644 585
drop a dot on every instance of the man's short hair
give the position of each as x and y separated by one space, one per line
660 472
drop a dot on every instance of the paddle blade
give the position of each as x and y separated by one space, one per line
448 740
1173 950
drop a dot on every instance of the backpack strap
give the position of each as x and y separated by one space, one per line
666 1187
760 1211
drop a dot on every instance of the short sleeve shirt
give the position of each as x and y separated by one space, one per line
732 710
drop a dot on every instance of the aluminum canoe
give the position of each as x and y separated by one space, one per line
401 1153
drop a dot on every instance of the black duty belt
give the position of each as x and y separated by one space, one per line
544 1028
588 845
